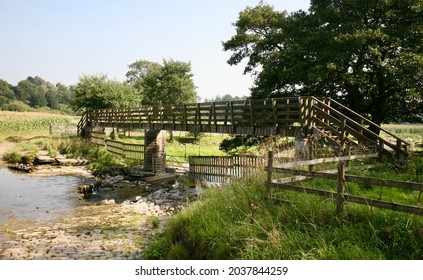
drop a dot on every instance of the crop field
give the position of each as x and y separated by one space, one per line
30 123
19 121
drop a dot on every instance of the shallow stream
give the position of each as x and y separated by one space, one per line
27 197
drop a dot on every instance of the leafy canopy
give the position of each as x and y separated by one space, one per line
98 92
169 83
369 54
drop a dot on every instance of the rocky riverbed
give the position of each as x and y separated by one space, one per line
111 227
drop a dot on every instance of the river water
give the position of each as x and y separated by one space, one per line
26 197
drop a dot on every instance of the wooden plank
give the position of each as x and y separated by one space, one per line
326 160
384 204
384 182
302 189
356 199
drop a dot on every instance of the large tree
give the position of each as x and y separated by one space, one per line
367 53
98 92
169 83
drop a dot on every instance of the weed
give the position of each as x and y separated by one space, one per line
154 221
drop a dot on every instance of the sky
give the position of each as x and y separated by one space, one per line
60 41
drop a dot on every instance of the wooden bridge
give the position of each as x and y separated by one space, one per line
293 116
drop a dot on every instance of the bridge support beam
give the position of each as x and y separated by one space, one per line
155 151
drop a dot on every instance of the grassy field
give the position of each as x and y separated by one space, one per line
183 145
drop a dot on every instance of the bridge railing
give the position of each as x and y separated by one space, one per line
242 116
324 114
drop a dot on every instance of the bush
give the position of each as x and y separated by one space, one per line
16 158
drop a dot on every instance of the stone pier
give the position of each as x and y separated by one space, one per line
155 151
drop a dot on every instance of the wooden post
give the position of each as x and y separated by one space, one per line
398 149
198 121
340 190
214 116
232 116
310 152
381 147
252 117
275 116
50 129
348 153
269 173
185 117
343 134
174 120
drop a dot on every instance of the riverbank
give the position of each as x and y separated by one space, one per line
107 232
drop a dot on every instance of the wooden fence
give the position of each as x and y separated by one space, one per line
341 178
119 148
98 138
221 169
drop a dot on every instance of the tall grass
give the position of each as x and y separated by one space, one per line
238 222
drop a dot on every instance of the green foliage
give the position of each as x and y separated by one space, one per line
241 144
167 84
238 144
97 92
196 136
15 157
6 90
33 93
154 221
16 106
238 222
365 52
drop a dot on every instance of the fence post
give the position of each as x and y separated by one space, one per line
340 189
381 148
269 173
310 153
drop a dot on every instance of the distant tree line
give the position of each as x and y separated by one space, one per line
34 92
148 83
226 97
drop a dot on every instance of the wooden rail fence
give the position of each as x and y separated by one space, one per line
221 169
341 195
119 148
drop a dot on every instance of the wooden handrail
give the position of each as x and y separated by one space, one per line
367 120
339 114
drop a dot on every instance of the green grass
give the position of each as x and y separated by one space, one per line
238 222
181 147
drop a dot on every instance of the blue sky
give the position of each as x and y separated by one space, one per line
61 40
